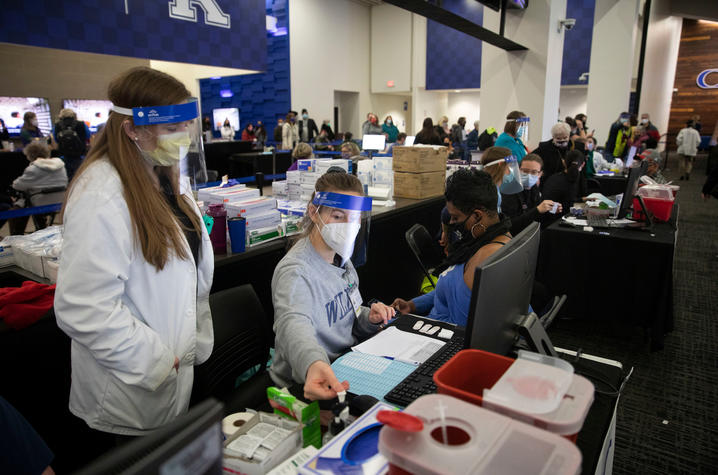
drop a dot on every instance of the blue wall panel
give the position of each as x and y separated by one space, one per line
453 58
577 42
141 29
263 96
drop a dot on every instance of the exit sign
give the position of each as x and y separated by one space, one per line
390 84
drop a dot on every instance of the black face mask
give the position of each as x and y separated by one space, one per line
459 229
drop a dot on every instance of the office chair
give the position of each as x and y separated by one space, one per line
592 186
425 249
548 317
240 343
46 196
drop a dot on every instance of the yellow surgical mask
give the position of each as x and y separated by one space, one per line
171 148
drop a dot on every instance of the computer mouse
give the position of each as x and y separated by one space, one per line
433 330
425 328
418 325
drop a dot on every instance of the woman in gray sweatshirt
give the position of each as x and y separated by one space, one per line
315 290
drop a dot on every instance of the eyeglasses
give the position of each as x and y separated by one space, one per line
531 172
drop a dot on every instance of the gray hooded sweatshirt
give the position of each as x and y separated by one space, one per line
314 318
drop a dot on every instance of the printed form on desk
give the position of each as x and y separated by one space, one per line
400 346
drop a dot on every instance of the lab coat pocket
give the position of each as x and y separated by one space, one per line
139 408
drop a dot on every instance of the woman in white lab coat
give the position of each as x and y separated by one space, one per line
136 266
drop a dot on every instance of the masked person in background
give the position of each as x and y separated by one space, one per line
30 128
553 151
390 129
617 136
515 131
594 159
137 263
567 186
471 202
504 171
527 206
318 311
371 125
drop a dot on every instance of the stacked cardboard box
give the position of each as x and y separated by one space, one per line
419 171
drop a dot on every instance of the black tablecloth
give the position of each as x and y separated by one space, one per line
620 274
611 185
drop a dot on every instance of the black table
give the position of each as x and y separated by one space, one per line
611 185
620 274
248 164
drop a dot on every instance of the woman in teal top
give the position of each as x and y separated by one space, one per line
390 129
514 130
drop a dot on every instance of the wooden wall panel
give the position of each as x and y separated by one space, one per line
698 51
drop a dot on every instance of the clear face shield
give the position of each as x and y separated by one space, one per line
344 222
523 130
171 136
511 183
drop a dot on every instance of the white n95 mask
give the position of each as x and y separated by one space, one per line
340 237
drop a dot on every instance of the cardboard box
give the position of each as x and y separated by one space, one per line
232 462
253 207
419 185
420 159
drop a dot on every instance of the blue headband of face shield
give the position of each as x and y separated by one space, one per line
511 182
342 201
520 120
160 114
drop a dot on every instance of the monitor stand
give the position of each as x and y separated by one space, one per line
534 335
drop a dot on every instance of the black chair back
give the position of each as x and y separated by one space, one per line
424 248
240 343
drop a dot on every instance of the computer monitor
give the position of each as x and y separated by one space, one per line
409 140
634 174
499 311
12 110
219 116
92 112
373 142
192 444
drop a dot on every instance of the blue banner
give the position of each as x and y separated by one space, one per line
342 201
164 114
226 33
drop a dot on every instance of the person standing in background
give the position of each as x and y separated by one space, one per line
472 138
278 131
621 124
290 134
390 129
30 129
307 128
248 133
227 130
697 123
513 131
427 135
442 129
648 126
71 137
687 140
260 133
371 126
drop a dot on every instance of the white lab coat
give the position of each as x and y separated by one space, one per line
688 140
127 320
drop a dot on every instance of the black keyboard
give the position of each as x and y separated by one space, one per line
421 380
598 221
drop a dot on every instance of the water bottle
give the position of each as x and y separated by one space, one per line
218 236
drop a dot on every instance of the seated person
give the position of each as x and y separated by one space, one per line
400 141
654 159
494 162
472 138
351 151
300 152
322 140
594 159
471 202
527 206
565 187
315 291
43 173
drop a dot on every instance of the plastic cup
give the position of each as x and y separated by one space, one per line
237 234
